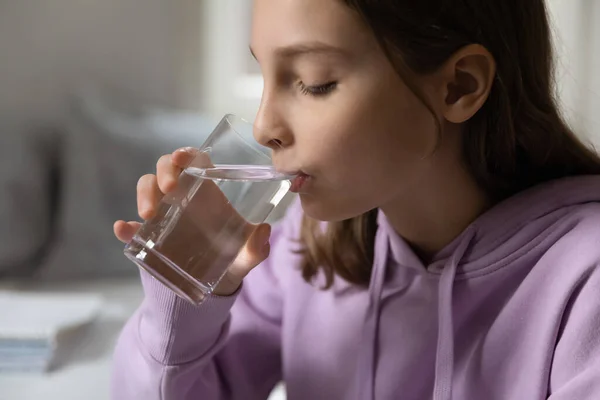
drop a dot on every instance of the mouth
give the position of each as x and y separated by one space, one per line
299 182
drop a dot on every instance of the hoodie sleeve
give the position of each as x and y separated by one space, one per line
227 348
576 366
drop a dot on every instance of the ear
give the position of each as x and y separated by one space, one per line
467 78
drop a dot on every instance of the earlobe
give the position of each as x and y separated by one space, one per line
469 76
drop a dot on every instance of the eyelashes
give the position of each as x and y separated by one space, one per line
317 90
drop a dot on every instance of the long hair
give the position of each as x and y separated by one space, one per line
517 140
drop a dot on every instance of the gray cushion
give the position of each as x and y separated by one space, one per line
103 152
28 193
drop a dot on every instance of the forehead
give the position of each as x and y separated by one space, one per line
282 23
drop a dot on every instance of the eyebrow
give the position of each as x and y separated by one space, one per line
309 48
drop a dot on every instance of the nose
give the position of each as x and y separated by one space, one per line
270 127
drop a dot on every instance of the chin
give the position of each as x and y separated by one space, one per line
327 210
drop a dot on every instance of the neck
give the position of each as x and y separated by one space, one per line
438 208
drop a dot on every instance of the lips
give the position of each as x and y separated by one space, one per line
297 177
298 182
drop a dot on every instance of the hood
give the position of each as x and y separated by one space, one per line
488 242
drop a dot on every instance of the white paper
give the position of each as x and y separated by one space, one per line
26 316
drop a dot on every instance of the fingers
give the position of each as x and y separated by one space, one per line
181 158
151 189
169 167
190 157
167 173
124 231
148 196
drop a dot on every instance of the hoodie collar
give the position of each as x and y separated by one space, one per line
494 231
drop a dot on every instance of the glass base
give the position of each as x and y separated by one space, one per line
169 275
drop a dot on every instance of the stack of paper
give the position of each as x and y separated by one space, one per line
31 324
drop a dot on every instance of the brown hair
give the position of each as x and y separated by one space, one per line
518 139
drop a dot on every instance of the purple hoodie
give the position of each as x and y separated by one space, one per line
510 310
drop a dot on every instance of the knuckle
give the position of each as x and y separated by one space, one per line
145 214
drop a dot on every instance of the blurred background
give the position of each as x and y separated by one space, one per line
92 92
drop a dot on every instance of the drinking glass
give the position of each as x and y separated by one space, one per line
227 190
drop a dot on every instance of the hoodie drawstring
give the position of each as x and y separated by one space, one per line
444 365
367 363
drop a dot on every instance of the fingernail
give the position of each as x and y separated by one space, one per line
186 150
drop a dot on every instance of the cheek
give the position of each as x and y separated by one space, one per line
385 132
403 123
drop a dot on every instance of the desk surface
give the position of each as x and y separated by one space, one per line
83 370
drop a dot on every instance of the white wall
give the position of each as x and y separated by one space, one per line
577 38
591 85
148 48
225 29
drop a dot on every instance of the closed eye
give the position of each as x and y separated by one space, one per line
317 90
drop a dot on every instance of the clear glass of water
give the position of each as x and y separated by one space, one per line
226 191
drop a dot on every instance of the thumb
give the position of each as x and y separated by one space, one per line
255 251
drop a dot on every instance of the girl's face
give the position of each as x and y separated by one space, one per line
334 108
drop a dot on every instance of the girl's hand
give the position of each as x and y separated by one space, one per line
151 189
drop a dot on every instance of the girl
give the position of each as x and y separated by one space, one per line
460 249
